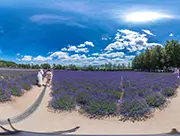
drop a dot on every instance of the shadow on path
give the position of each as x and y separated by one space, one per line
28 133
27 112
16 132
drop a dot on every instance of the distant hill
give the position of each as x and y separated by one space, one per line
4 63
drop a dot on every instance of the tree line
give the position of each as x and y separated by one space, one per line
159 58
103 67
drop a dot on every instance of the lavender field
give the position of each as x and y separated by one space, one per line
102 94
13 83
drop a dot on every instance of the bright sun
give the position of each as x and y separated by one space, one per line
145 16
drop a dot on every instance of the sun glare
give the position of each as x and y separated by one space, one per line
145 16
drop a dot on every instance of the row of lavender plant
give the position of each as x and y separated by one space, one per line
98 93
15 85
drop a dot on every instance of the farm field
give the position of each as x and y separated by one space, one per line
14 83
131 95
97 94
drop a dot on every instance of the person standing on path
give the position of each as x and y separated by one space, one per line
40 77
49 77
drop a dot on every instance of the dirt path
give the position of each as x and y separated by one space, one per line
26 113
19 104
43 120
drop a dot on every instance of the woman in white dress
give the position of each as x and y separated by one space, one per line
40 77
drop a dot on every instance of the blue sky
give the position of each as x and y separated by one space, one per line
84 31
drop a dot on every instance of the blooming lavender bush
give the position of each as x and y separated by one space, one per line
83 97
14 83
98 93
134 108
63 101
155 99
101 106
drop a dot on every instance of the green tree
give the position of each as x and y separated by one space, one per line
45 66
173 53
114 67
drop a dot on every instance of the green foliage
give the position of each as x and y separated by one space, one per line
158 57
135 108
15 91
3 96
168 91
101 107
64 102
155 99
45 66
4 63
83 98
26 86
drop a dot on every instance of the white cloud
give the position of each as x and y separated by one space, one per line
49 52
104 38
64 49
130 57
138 53
112 54
117 36
55 19
171 35
87 43
153 45
81 45
85 50
78 57
47 17
75 49
27 58
72 48
60 55
18 54
41 58
131 41
148 32
95 54
125 42
116 45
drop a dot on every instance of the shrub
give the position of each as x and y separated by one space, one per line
115 94
26 86
141 92
156 87
155 99
83 97
63 101
4 95
101 106
15 88
134 108
16 91
168 92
